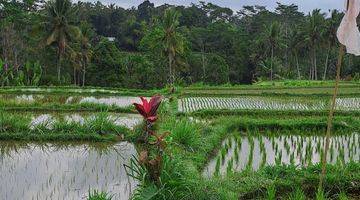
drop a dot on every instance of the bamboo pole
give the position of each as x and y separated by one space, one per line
331 112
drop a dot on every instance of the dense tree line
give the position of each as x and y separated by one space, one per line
60 42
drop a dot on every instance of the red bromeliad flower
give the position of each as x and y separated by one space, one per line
148 109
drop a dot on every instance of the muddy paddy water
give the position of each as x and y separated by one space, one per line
64 171
241 152
39 99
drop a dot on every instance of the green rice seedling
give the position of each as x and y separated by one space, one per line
273 143
236 155
230 142
262 147
318 147
263 159
217 166
278 158
223 155
276 148
95 195
229 167
292 159
251 142
320 195
271 193
226 147
287 148
343 196
239 142
297 195
342 155
251 157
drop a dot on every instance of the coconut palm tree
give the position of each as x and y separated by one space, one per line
313 29
87 32
273 38
295 44
173 42
60 27
329 35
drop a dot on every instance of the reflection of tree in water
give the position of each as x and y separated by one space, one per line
9 148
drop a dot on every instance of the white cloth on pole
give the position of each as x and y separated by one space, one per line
348 33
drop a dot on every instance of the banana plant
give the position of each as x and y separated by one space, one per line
5 74
29 75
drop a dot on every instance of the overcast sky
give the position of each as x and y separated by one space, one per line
304 5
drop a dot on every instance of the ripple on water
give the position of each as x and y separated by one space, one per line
59 172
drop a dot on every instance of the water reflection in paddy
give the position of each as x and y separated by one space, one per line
119 101
63 171
241 152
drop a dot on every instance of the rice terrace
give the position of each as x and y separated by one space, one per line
151 101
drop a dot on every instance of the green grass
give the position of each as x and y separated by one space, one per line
281 88
277 84
95 195
183 132
192 144
352 91
71 90
286 181
211 113
16 127
56 105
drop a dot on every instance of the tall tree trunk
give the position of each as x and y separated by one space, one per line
271 64
84 73
315 65
74 75
297 66
59 66
327 61
311 67
203 64
171 82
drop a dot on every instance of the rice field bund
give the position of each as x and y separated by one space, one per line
231 142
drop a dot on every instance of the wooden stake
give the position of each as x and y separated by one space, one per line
331 116
331 112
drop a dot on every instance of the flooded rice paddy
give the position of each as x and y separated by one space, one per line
241 152
40 99
64 171
265 103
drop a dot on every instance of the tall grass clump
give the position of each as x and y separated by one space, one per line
13 123
183 132
102 124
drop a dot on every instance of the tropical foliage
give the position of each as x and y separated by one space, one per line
150 47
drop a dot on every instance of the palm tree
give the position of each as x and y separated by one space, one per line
273 38
86 33
60 29
313 29
173 42
329 35
295 43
